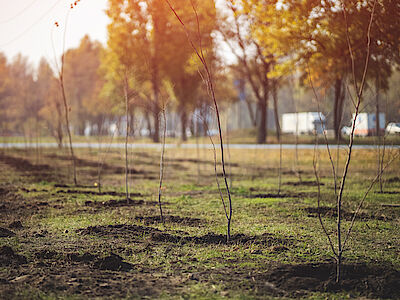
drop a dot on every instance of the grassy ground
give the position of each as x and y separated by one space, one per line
241 136
75 242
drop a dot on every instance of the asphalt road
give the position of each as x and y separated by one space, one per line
186 146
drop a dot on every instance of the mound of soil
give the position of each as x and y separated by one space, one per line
9 258
4 232
86 257
135 231
393 179
112 262
347 215
268 195
118 230
3 192
388 192
45 254
119 203
149 220
357 279
37 171
303 183
216 239
111 193
15 225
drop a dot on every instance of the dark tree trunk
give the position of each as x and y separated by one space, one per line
338 108
183 124
276 115
263 110
377 117
262 125
156 116
156 106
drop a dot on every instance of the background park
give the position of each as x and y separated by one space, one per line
200 149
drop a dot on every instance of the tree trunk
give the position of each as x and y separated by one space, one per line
263 109
262 125
156 116
338 108
156 106
377 117
276 115
183 124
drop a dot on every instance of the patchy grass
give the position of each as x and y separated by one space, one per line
76 242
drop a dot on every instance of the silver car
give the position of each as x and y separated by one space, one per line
393 128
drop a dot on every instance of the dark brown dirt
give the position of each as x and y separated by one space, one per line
136 232
4 232
217 239
388 192
119 203
331 212
96 193
37 172
267 195
393 179
112 262
117 230
150 220
9 258
357 279
280 195
303 183
15 225
105 168
81 275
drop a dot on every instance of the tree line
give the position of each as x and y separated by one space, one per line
276 46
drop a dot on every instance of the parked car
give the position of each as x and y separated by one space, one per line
393 128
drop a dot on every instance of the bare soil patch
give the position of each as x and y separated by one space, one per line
154 234
4 232
358 279
37 171
393 179
387 192
303 183
96 193
281 195
347 215
119 203
9 258
188 221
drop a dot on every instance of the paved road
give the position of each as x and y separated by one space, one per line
187 146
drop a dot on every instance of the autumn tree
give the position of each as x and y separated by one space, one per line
311 36
83 83
136 45
180 65
24 104
48 90
254 61
4 92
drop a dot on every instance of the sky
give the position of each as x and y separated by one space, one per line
28 26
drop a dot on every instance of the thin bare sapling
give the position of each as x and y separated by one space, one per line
210 87
60 71
164 133
359 88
